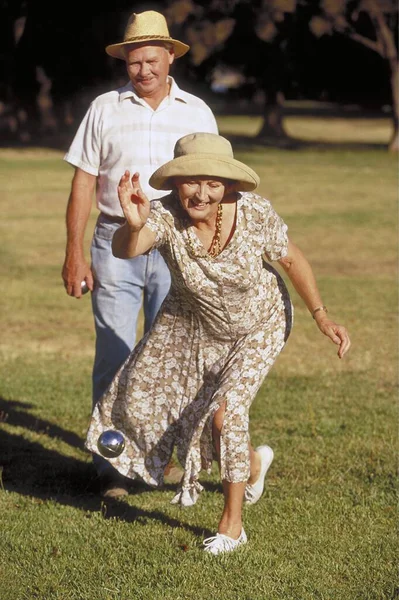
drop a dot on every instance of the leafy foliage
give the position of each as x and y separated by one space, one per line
52 67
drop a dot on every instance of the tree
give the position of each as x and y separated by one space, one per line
52 67
373 24
12 18
256 37
248 35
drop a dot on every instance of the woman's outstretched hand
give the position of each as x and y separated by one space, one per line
337 333
134 203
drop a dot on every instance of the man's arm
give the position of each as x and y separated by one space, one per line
76 269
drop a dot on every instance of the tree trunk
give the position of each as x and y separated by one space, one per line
386 41
273 119
394 142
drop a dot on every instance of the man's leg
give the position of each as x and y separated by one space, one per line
156 287
116 301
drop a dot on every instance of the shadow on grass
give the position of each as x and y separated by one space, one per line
239 141
10 411
29 469
251 143
62 140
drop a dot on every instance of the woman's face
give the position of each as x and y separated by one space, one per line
200 196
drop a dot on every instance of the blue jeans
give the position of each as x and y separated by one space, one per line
120 287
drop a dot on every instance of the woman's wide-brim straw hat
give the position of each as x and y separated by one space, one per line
206 155
148 26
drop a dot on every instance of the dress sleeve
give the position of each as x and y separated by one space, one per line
158 222
276 246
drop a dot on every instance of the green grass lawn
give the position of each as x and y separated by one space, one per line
325 528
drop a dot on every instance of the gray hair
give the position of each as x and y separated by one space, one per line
167 46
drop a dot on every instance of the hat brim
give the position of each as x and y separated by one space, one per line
205 165
117 51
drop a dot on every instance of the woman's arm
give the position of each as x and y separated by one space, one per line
133 238
301 275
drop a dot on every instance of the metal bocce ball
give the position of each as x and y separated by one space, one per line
111 443
84 287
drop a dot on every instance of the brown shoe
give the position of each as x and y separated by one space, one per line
114 487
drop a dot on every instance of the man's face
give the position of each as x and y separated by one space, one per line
148 68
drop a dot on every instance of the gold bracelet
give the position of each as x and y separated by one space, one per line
317 310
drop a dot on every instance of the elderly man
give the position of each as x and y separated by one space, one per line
134 127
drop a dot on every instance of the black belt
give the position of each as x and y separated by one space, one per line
113 219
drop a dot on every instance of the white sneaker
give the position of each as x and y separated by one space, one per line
222 543
253 491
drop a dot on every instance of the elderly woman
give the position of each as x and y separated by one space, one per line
190 381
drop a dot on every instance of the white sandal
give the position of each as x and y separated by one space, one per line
222 543
253 491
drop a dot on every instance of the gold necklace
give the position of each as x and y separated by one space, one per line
215 248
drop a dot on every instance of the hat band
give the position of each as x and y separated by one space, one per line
148 37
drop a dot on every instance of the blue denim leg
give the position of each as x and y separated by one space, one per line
157 284
119 285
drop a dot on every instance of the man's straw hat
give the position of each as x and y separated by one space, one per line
204 154
148 26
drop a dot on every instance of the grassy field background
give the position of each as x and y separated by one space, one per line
326 525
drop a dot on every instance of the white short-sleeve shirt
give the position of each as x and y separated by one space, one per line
121 131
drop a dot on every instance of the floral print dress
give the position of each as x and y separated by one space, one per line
215 338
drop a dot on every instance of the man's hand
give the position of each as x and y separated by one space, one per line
74 271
